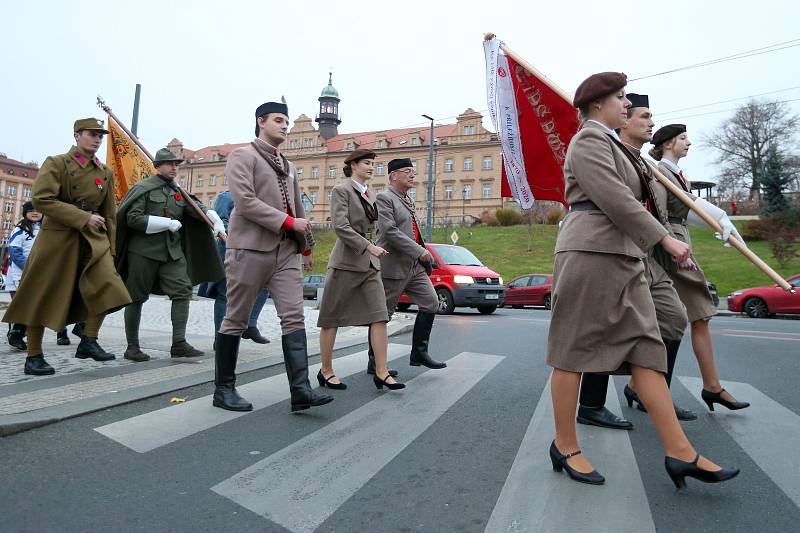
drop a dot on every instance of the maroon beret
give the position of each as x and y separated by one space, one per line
361 153
597 86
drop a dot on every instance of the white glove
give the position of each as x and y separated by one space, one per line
219 226
159 224
717 214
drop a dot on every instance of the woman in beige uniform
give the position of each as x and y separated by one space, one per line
354 294
670 144
604 319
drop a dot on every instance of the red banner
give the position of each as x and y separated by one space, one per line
547 123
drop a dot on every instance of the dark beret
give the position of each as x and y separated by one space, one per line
667 132
397 164
27 207
361 153
597 86
638 100
272 107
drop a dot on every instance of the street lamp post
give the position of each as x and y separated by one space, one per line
429 221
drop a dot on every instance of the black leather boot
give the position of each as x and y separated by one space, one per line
225 356
254 335
184 349
16 337
62 339
135 354
295 356
78 329
672 356
420 339
88 348
37 366
371 356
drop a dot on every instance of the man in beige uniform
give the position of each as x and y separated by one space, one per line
405 268
267 230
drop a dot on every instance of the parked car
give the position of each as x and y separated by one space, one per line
762 302
311 283
530 289
461 280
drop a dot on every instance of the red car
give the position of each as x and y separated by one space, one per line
530 289
761 302
461 280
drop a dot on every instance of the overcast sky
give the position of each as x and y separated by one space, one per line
205 66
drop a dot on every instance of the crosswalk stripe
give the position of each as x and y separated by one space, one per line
534 498
152 430
767 431
300 486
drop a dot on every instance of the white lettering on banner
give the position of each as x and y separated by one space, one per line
534 97
505 118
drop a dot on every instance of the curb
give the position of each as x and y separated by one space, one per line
18 423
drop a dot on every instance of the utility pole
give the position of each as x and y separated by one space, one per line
135 120
429 222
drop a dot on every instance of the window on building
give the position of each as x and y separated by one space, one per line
224 179
487 190
414 141
330 193
299 172
448 165
12 190
24 174
331 171
487 162
349 146
26 192
467 191
308 143
448 192
7 223
467 163
378 190
315 173
469 130
294 144
212 180
381 143
379 169
314 197
211 198
412 193
9 207
10 171
414 165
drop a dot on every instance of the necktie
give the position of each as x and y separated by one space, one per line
366 193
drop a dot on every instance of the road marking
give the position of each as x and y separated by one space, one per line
152 430
760 331
302 485
767 431
534 498
764 337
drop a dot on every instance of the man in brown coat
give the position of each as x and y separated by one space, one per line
405 268
70 274
267 230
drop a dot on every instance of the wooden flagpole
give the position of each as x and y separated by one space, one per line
102 105
671 187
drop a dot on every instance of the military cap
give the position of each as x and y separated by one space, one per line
272 107
165 155
397 164
638 100
667 132
94 124
597 86
361 153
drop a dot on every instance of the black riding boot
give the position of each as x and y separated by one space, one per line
672 356
420 339
225 355
295 356
16 336
89 348
371 356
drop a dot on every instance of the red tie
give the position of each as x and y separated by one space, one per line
416 230
366 193
683 180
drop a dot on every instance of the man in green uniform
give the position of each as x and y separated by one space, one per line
70 274
163 247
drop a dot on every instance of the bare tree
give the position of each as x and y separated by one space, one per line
742 142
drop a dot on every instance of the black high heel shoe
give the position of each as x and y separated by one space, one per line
559 461
326 382
379 383
679 470
716 397
631 397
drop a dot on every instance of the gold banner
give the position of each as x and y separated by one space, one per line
127 161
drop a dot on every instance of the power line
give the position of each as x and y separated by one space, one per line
741 55
727 101
732 109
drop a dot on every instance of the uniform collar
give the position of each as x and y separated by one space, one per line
266 146
360 188
672 166
81 158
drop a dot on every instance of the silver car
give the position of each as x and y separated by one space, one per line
311 283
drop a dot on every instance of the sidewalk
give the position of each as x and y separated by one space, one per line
82 386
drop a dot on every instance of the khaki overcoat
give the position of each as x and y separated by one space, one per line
70 273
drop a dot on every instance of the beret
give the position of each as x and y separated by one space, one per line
397 164
272 107
667 132
597 86
361 153
638 100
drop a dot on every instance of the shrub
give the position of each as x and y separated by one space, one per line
489 218
782 245
554 216
508 217
759 230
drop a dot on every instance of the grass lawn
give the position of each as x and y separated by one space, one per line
505 250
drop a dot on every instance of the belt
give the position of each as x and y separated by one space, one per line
677 220
586 205
89 208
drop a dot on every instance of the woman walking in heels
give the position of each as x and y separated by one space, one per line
354 294
671 144
604 319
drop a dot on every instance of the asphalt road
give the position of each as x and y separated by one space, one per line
461 449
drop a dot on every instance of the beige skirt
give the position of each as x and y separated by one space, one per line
603 318
692 289
352 299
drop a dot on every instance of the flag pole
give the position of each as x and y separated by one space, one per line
102 105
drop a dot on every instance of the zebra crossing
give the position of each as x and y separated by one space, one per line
304 484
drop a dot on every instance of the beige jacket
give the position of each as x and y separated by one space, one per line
353 228
597 170
259 213
396 234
